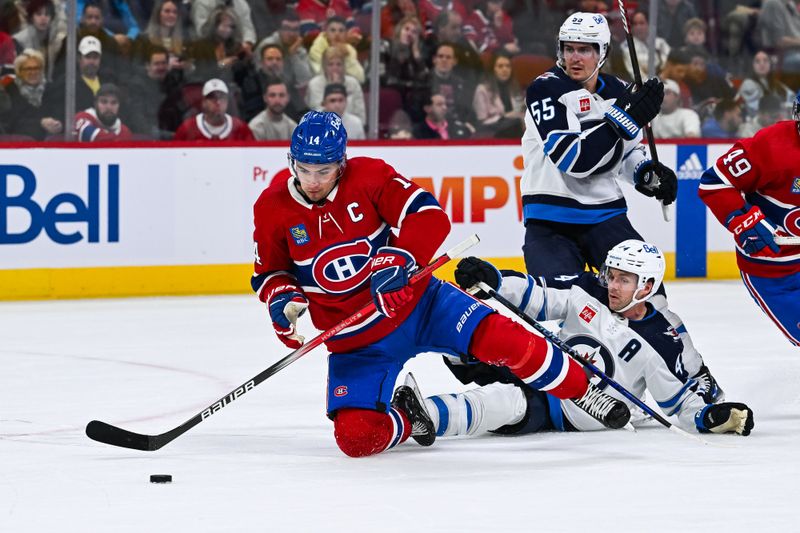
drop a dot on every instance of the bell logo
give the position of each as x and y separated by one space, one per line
50 216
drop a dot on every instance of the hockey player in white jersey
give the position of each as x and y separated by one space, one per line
609 319
582 135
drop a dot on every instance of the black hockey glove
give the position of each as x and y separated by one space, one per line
471 270
635 109
725 418
656 179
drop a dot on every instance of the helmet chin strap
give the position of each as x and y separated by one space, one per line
634 301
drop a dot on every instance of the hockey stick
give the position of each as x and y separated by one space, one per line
666 210
115 436
781 238
549 335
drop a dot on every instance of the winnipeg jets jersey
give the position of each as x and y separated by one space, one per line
572 156
765 169
639 354
326 248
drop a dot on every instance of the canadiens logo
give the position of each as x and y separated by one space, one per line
343 267
340 391
791 222
584 104
796 185
587 313
299 234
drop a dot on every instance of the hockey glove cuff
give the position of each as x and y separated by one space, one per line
751 230
389 282
656 180
635 109
286 304
725 418
472 270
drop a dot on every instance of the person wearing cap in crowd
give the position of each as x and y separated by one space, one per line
214 123
101 122
273 124
675 121
335 100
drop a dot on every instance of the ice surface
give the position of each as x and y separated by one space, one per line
268 462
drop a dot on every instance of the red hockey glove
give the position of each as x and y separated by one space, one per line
389 281
286 303
751 230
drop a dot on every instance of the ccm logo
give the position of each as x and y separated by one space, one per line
340 391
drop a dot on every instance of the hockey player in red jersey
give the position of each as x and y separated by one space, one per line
324 242
754 191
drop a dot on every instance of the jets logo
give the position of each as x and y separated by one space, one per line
343 267
596 353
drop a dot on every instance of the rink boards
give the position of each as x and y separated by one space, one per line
151 220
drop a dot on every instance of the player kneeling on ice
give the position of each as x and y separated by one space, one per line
324 242
607 318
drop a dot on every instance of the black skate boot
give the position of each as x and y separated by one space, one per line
607 410
408 399
707 386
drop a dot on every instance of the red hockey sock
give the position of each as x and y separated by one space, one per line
500 341
362 432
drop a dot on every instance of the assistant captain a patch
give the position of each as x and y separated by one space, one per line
588 313
299 234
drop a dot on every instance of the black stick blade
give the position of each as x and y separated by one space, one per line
108 434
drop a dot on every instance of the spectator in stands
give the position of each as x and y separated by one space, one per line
677 68
26 114
296 64
205 10
117 20
725 120
147 114
762 79
101 122
771 109
446 82
335 101
672 17
491 28
92 23
499 103
436 125
214 123
315 13
395 11
90 76
707 86
41 33
164 30
334 34
272 124
694 34
404 67
448 28
779 29
400 127
431 16
333 71
639 30
675 121
220 46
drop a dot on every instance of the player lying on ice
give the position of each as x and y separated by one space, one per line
324 241
606 317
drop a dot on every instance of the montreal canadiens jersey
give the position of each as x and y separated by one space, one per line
763 170
195 129
326 248
88 128
572 156
639 354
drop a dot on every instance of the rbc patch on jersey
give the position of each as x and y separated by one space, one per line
584 104
587 313
299 234
796 185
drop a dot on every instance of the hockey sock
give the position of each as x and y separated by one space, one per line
478 410
363 432
500 341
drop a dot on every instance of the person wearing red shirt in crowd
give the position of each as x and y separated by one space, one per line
101 122
214 123
314 13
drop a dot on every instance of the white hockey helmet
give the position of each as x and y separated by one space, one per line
640 258
585 28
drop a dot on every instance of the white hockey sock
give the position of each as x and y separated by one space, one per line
478 410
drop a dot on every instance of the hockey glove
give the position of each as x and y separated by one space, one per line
286 303
725 418
656 180
751 230
635 109
472 270
389 281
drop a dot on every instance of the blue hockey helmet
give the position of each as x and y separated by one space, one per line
319 138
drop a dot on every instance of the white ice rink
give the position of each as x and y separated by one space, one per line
268 462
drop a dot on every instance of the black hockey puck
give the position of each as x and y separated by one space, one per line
161 478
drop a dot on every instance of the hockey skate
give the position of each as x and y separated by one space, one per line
607 410
707 386
408 399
